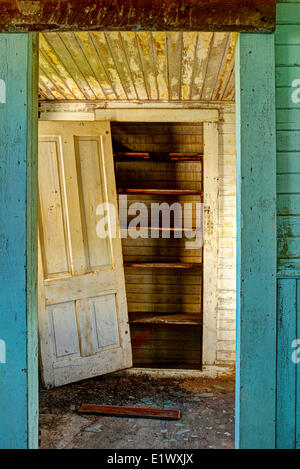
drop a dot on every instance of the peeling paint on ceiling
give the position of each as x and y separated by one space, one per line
137 66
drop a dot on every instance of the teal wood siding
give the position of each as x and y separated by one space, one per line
18 246
287 52
288 375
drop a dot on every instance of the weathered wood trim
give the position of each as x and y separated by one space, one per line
256 242
138 115
67 116
286 369
158 115
91 106
126 15
211 239
31 249
18 222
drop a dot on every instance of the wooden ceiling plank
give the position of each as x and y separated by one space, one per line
72 56
226 71
88 49
121 66
161 67
174 59
46 87
189 47
131 53
229 92
145 48
201 61
214 64
108 63
50 44
48 69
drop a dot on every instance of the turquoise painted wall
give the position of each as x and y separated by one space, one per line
287 58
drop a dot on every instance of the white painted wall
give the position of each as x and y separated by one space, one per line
227 238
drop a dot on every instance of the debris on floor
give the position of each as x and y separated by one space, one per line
206 406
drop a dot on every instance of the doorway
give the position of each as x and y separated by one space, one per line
92 62
177 153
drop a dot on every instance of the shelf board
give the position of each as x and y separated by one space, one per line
160 191
127 156
163 265
151 228
177 157
156 318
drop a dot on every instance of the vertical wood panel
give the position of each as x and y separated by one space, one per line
18 321
210 254
298 370
286 369
256 243
32 239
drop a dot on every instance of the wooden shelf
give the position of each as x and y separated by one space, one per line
131 156
163 265
160 191
156 318
161 228
177 157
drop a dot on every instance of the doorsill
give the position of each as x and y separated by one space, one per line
213 372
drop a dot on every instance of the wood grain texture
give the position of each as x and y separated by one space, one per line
18 326
256 243
162 257
286 369
32 240
167 345
83 310
195 15
137 66
288 208
211 241
138 412
159 256
288 136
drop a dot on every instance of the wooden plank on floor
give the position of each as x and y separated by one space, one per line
138 412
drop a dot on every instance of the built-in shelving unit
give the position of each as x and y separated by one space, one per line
163 277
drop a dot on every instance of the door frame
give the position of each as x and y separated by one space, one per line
256 244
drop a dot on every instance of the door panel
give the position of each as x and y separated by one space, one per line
83 317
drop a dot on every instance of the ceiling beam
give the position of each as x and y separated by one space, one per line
130 15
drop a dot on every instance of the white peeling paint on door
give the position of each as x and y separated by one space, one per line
83 315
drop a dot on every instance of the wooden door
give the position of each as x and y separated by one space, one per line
83 316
